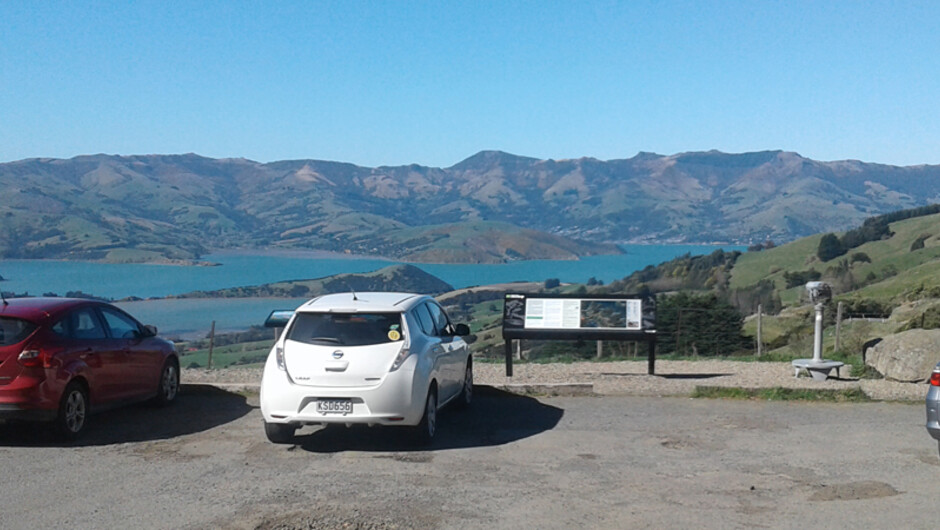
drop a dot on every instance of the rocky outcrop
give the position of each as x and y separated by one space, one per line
908 356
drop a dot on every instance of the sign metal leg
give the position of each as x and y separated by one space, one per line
508 358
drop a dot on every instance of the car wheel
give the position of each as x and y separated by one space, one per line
73 411
466 393
424 431
280 433
169 383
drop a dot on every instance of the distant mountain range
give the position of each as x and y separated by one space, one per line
491 207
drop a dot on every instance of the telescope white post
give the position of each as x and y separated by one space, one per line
817 341
817 367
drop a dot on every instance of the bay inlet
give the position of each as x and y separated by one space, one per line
193 317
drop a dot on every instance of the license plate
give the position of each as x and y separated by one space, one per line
334 406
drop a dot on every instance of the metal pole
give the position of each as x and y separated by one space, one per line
508 352
600 349
651 362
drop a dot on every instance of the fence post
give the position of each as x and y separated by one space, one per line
760 339
838 327
211 343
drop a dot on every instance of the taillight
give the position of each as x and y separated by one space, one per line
31 357
935 378
279 356
402 355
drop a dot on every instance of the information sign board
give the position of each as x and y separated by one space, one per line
547 316
574 317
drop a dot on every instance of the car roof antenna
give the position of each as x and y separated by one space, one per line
355 298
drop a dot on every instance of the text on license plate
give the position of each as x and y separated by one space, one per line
334 406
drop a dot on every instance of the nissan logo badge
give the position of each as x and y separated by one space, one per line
338 354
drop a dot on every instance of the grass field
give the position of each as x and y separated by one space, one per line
243 354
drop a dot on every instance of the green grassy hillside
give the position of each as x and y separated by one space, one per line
891 272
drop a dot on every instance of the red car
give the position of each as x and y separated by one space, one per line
61 358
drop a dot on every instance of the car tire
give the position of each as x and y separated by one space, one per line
425 430
280 433
73 412
466 393
169 386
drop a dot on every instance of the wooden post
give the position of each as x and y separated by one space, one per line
760 339
838 327
211 343
600 349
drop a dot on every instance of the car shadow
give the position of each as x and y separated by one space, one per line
494 418
197 408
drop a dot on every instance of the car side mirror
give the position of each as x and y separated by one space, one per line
150 331
461 330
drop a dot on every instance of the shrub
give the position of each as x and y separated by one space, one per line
799 278
830 247
919 242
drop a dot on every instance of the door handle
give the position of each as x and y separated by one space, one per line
336 366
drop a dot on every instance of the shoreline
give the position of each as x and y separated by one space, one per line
330 254
295 254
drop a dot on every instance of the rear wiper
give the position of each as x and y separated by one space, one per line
334 340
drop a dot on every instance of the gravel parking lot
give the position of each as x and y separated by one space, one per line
510 461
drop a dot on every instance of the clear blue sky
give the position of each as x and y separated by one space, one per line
389 82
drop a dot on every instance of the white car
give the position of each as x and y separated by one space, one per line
367 358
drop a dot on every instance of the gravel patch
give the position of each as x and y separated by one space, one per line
626 378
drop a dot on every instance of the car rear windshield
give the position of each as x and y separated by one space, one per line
346 329
14 330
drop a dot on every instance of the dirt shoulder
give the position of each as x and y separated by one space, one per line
630 378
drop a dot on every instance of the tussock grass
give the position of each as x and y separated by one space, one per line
850 395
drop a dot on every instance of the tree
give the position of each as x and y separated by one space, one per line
763 293
299 290
702 324
799 278
552 283
829 247
919 242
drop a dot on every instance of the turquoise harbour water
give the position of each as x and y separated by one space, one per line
192 317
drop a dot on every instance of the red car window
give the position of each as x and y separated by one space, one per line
13 330
82 323
120 325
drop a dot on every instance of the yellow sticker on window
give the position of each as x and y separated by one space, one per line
394 335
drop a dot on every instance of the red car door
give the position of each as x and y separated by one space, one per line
84 339
142 361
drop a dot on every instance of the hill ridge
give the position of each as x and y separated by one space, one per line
152 207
